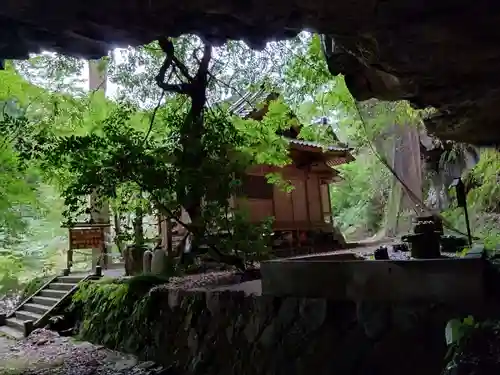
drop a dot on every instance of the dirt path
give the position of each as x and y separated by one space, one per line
46 353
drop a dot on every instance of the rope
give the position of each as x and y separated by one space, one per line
417 202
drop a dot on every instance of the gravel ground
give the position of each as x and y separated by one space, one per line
204 280
9 302
46 353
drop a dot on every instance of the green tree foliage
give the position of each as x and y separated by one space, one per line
358 201
483 195
18 183
485 181
58 109
30 208
119 161
151 150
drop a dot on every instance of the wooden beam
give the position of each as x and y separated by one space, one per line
308 209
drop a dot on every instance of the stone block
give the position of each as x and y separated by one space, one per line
28 327
158 262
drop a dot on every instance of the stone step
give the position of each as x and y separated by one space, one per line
15 323
70 279
38 308
45 301
62 286
52 293
27 315
11 332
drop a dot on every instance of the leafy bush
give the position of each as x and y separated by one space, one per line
485 178
33 285
10 268
483 201
358 201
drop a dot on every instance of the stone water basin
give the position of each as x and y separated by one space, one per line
351 276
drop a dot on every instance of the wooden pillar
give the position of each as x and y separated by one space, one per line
306 189
69 255
170 245
166 234
69 262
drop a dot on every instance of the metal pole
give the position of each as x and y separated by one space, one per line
462 202
468 225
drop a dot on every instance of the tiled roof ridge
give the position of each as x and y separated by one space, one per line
317 144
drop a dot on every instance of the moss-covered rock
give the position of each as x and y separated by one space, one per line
109 311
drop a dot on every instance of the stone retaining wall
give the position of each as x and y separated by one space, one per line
228 332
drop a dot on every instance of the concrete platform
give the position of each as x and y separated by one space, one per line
448 280
114 270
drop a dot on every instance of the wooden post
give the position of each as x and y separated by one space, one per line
170 242
27 327
98 271
69 262
104 252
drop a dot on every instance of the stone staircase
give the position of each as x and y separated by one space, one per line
35 311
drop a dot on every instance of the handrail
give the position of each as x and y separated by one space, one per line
42 319
18 307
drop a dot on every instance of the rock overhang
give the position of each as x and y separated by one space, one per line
441 54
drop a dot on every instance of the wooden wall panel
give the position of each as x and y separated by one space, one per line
258 209
288 171
282 205
306 206
299 201
313 198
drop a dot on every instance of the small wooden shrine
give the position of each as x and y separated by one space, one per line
303 219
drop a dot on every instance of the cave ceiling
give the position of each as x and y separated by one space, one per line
443 54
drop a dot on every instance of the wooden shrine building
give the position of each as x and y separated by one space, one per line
303 219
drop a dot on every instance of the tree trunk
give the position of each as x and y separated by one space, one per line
99 210
138 227
192 154
118 232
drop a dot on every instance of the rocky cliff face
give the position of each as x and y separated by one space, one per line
195 332
434 53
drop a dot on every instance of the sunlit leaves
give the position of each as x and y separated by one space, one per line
262 143
358 200
18 195
54 72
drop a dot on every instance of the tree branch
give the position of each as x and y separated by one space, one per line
183 68
205 61
160 77
177 88
167 46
